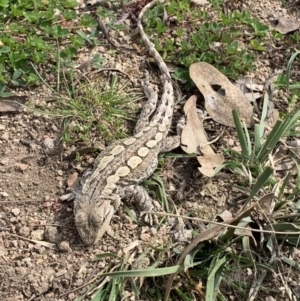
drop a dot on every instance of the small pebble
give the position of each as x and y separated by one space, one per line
15 211
24 231
64 246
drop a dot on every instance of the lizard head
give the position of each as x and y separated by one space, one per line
92 221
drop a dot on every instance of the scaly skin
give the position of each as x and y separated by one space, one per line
122 166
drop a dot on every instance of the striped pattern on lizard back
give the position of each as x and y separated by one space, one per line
122 166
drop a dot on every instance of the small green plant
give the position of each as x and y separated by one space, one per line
103 108
199 38
42 33
100 107
257 45
284 80
256 150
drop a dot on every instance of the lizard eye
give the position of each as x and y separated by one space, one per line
95 219
81 218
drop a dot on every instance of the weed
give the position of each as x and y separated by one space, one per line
100 107
41 33
199 38
284 80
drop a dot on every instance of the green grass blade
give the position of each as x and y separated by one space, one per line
257 138
150 272
289 65
162 196
182 295
282 187
279 130
113 291
291 262
298 172
260 129
261 180
246 151
249 146
99 295
248 252
211 285
271 142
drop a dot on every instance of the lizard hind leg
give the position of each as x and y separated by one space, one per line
170 143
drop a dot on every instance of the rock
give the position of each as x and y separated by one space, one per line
52 235
5 136
24 231
37 234
21 166
49 143
41 280
64 246
79 282
15 211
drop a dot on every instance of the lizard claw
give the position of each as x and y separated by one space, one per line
150 218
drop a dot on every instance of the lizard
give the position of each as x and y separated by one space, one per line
121 167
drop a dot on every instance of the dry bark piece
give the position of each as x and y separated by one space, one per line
194 140
220 95
12 103
199 2
286 25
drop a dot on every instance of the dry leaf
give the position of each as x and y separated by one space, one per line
247 83
286 25
251 90
72 179
225 215
193 133
131 246
194 140
267 203
12 103
145 237
199 2
220 95
208 163
282 158
246 231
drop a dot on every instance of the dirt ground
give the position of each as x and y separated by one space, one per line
31 182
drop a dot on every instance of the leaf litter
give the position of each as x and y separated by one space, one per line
194 140
221 96
83 256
